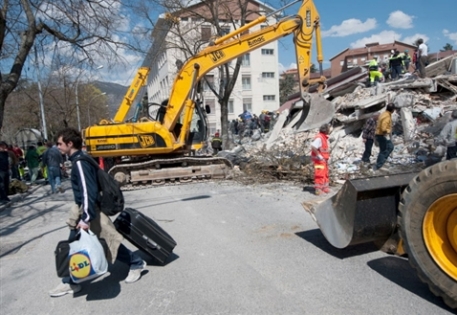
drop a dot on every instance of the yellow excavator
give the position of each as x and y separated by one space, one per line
158 149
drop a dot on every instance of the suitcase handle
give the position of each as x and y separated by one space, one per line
151 244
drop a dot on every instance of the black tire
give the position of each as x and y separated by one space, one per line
433 183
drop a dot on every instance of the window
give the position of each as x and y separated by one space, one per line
208 82
269 97
342 63
263 26
268 74
266 51
184 19
231 109
212 106
362 59
225 31
246 32
206 32
247 104
246 81
246 61
354 61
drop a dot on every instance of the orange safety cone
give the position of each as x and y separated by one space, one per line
101 163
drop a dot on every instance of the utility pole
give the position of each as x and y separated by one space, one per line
43 118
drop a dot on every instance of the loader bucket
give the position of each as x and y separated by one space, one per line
318 112
364 210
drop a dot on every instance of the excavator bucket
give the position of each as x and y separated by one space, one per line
364 210
315 113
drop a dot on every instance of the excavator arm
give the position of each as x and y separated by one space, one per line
305 26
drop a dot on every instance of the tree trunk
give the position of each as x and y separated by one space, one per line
224 123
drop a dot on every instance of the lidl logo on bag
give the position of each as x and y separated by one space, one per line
80 265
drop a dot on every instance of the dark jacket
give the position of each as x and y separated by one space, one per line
52 157
85 186
216 143
32 158
4 164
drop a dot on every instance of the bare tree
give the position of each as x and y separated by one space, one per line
83 29
218 17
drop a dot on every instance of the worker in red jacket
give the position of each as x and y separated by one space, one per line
320 153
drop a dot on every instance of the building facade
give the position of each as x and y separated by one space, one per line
257 85
349 58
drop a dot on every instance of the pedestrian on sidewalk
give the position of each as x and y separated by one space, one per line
86 214
4 173
448 135
320 153
383 135
52 161
33 163
368 133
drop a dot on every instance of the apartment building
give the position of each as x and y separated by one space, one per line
349 58
257 86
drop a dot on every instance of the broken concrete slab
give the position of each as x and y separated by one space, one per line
426 83
408 123
277 128
439 67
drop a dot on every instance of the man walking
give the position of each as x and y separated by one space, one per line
383 136
86 214
368 134
448 135
320 154
52 160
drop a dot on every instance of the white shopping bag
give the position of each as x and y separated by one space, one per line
87 258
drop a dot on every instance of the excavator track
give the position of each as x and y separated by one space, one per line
159 172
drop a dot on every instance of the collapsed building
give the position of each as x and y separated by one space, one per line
423 108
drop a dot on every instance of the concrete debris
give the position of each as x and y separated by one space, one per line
424 107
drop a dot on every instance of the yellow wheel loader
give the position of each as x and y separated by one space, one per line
411 213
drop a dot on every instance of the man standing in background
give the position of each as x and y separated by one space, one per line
423 57
320 153
383 136
52 160
368 134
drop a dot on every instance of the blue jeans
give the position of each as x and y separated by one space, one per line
124 255
367 153
54 177
385 148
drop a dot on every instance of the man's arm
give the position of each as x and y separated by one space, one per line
88 187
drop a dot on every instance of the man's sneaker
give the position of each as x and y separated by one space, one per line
65 288
61 189
135 274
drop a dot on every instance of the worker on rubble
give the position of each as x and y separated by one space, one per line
422 54
383 136
375 77
320 153
448 137
396 65
406 60
216 143
368 134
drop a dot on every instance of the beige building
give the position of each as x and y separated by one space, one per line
257 86
350 58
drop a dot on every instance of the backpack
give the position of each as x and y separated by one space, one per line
267 118
111 199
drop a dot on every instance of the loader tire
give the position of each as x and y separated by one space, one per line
428 226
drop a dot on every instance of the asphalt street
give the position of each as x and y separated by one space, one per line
242 249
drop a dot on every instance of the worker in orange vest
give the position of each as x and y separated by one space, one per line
320 153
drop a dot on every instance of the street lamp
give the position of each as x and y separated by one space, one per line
77 100
88 105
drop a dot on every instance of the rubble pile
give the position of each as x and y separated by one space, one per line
423 108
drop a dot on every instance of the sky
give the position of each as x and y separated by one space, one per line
351 24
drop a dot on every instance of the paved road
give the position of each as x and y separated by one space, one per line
241 250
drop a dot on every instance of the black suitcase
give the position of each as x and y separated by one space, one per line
145 234
63 260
